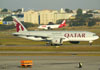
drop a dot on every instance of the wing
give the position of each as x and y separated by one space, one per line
38 36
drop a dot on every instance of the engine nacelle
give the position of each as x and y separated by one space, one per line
57 41
74 42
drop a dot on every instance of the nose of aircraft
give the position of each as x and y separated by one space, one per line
97 37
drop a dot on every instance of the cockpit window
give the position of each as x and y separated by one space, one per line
94 35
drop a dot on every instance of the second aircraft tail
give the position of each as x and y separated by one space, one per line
62 24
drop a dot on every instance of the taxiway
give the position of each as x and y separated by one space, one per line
51 62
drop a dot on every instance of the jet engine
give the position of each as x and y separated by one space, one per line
74 42
56 41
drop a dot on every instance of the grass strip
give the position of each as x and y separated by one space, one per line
49 48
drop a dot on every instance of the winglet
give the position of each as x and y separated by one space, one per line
19 25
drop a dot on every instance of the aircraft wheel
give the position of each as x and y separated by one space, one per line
90 44
49 28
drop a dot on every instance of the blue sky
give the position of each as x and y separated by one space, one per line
50 4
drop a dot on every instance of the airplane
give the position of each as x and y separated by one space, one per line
54 37
47 27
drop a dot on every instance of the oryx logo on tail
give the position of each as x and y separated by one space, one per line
19 26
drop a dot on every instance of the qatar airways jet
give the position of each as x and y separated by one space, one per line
54 37
63 24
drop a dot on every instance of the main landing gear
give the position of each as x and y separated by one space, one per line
50 44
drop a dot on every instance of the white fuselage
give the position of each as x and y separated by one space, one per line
65 35
46 26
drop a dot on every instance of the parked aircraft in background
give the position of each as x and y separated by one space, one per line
63 24
54 37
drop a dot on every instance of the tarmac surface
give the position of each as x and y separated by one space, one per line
51 62
44 45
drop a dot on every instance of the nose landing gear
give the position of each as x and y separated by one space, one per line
90 42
